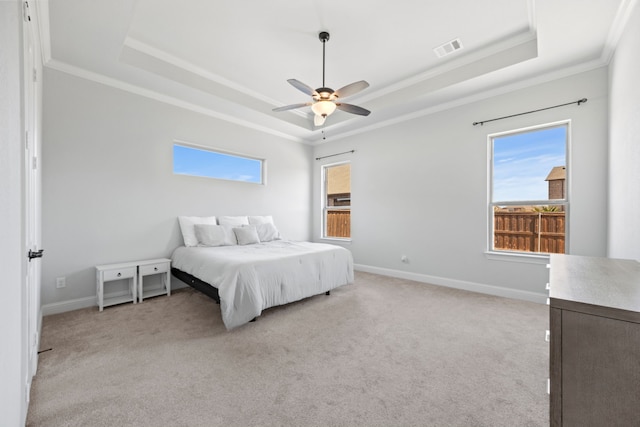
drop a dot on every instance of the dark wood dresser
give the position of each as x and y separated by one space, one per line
594 341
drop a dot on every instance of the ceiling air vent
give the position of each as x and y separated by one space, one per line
448 48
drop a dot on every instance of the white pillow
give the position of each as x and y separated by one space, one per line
267 232
210 235
215 235
187 224
253 220
233 221
246 235
229 236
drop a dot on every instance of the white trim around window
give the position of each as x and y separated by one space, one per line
512 204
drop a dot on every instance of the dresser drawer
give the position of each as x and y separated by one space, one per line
122 273
160 267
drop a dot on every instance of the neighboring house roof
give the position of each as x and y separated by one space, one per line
558 172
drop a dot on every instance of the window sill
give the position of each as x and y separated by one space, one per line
336 240
518 257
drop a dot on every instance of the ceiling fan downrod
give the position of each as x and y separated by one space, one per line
324 38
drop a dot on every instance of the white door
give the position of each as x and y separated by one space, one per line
32 196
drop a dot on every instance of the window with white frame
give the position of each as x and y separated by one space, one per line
528 194
209 163
336 205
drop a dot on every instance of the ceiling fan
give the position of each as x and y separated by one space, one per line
326 100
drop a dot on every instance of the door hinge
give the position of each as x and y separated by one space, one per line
35 75
35 163
25 12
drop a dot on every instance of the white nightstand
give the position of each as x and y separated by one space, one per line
135 271
110 272
154 266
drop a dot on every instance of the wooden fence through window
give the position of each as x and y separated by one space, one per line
339 223
515 231
529 231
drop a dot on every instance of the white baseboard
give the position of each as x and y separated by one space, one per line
457 284
76 304
86 302
70 305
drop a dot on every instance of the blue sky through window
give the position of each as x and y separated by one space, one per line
212 164
522 161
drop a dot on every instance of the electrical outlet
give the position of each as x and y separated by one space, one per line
61 282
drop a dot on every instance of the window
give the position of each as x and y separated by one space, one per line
336 201
189 160
528 194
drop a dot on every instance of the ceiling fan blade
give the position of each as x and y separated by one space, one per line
353 109
292 106
351 89
302 87
318 120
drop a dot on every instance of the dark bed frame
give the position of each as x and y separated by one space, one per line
203 287
196 283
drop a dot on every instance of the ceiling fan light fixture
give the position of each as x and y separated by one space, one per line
323 108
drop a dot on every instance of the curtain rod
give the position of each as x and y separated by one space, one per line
337 154
580 101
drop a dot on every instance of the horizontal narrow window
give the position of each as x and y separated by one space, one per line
215 164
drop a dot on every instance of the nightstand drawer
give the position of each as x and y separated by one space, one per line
122 273
161 267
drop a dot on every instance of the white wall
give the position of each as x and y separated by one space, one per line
110 194
624 150
13 320
419 188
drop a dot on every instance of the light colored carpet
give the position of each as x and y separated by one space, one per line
381 352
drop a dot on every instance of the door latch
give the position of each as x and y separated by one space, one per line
35 254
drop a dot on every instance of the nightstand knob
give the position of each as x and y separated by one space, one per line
155 268
119 274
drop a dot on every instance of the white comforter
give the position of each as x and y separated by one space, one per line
252 278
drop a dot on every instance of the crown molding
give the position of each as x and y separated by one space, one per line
523 84
147 93
41 8
531 13
316 135
617 28
518 41
164 56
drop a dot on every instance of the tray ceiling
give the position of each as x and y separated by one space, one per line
231 58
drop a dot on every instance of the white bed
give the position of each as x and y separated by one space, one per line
251 278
